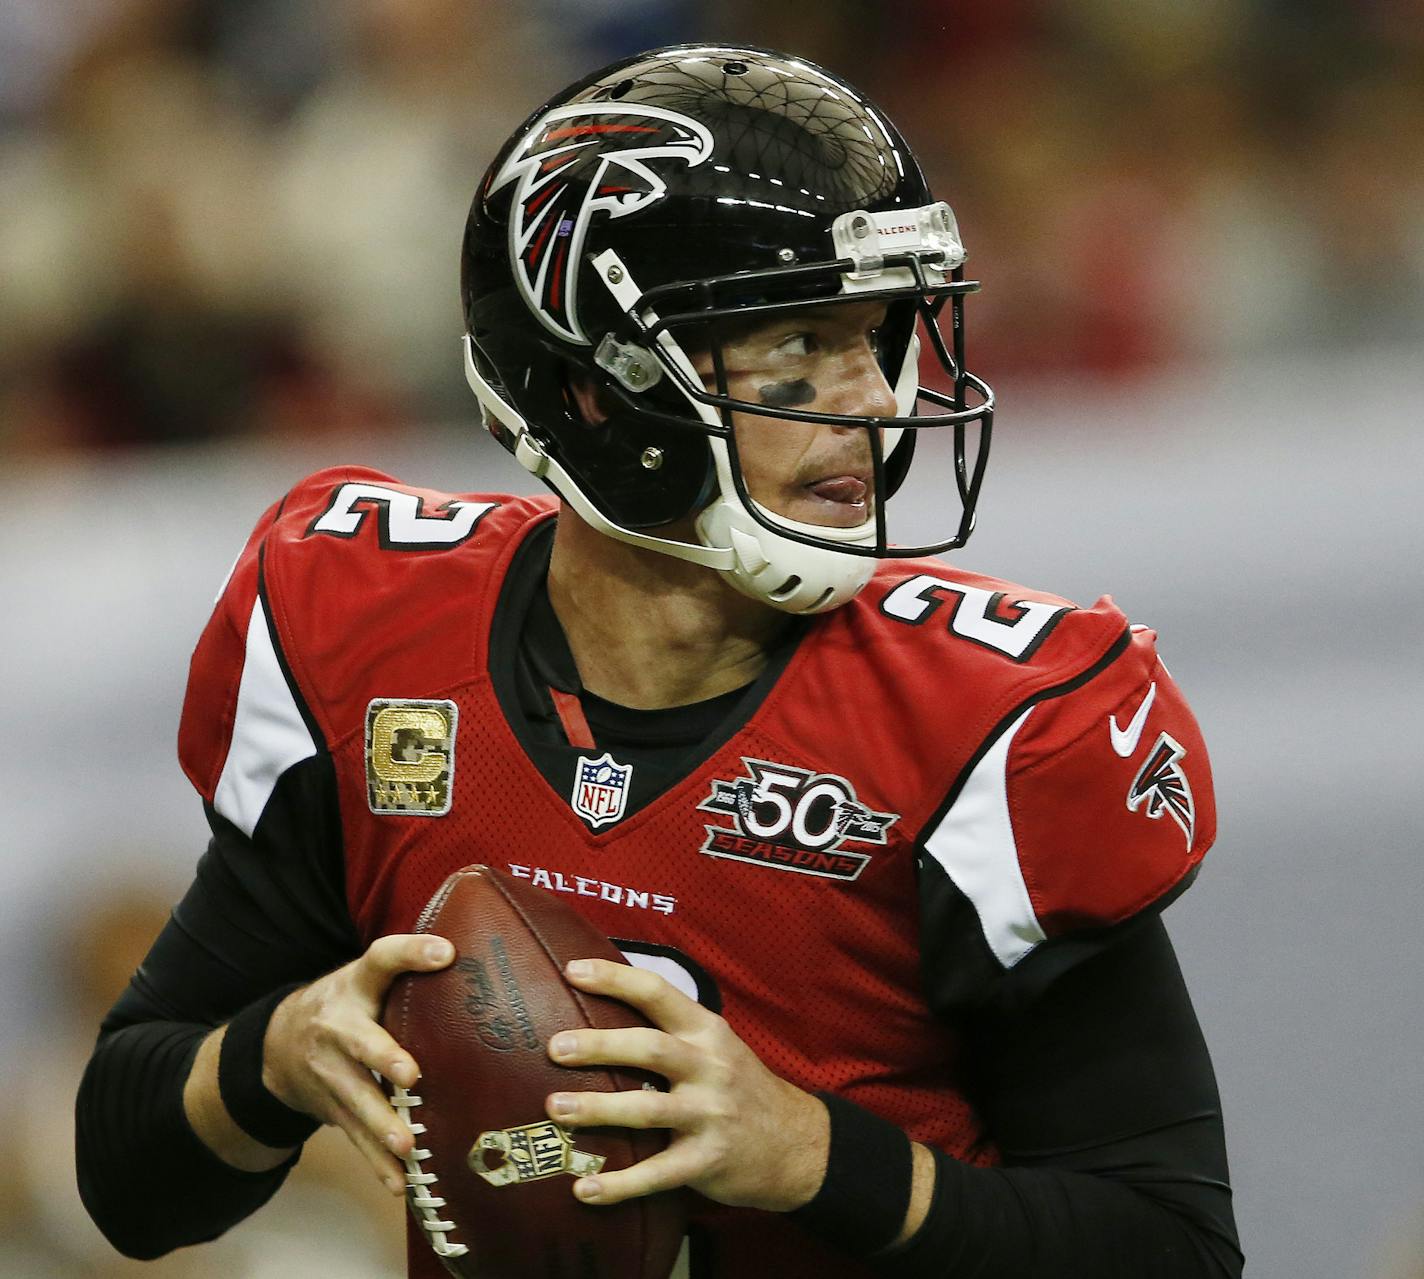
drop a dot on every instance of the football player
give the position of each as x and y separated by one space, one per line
885 842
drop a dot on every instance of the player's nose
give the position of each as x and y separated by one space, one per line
863 390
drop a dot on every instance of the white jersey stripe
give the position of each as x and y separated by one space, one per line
974 842
268 732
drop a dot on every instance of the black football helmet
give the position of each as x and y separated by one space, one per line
630 218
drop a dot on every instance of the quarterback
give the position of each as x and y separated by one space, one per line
884 841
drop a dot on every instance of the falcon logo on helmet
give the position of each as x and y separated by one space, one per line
577 159
1162 786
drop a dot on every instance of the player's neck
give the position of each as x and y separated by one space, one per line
647 630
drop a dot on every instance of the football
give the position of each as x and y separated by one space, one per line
489 1183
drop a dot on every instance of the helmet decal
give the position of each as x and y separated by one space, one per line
576 159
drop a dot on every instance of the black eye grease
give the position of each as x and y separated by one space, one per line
787 395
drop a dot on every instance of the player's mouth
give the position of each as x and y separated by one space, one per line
841 499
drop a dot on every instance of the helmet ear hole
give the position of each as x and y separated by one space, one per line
503 436
641 474
587 402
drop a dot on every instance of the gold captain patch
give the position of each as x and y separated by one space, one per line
410 756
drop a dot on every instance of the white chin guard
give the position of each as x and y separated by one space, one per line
788 575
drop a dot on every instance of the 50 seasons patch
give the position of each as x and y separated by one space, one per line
410 756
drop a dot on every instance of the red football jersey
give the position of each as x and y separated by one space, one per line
949 773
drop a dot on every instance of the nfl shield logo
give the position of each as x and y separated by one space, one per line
601 789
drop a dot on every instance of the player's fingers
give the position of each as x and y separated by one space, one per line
355 1093
641 1046
389 956
666 1170
385 1165
371 1044
656 997
646 1109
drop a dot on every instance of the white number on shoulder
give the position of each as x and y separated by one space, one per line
680 970
977 615
405 524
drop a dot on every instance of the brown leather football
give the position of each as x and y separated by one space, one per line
489 1183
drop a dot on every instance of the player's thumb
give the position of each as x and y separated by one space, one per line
402 953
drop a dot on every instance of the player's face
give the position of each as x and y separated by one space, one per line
823 359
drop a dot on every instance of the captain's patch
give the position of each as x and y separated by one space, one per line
410 756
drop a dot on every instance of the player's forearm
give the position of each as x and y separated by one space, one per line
159 1163
1046 1223
1012 1223
148 1180
922 1181
210 1120
877 1185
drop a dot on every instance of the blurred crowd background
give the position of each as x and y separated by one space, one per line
228 237
223 219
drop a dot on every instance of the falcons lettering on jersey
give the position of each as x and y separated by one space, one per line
575 160
1161 785
792 819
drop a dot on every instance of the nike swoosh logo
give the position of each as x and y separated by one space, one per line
1124 740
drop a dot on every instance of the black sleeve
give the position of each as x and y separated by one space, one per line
1098 1090
261 913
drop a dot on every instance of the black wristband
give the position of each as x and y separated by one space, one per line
862 1202
253 1109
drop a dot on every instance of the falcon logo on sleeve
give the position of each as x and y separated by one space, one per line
1161 785
576 159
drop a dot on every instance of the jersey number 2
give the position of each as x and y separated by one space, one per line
976 614
404 523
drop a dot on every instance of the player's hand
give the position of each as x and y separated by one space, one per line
739 1133
324 1041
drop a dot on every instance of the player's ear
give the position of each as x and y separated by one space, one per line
588 400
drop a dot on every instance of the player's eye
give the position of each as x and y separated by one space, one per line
798 345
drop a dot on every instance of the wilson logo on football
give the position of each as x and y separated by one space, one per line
1161 786
497 1011
792 819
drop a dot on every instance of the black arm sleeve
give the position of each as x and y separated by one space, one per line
261 913
1099 1091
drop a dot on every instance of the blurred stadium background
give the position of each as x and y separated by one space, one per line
228 240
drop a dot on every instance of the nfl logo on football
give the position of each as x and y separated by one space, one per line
601 789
